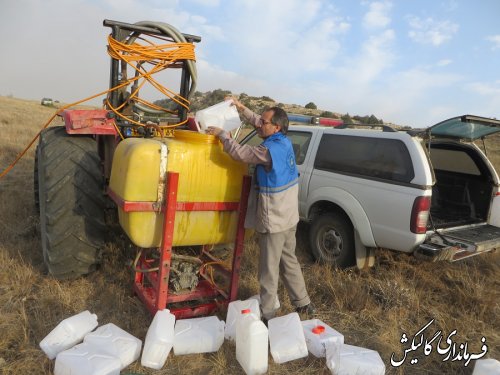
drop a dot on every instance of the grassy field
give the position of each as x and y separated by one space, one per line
371 308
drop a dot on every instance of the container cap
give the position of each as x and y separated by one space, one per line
246 311
318 330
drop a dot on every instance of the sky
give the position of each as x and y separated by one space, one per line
408 62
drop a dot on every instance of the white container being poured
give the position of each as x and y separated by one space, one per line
222 115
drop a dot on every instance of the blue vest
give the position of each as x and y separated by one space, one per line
284 172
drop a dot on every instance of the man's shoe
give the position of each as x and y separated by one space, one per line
306 309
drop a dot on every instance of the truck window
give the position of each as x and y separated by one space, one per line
454 161
300 142
379 158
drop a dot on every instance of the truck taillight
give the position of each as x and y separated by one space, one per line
420 215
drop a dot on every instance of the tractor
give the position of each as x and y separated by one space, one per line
116 158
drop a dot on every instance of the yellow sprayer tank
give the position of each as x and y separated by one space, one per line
206 174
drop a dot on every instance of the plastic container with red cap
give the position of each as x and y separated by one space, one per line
318 334
252 347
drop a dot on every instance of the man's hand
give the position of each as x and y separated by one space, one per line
239 106
213 130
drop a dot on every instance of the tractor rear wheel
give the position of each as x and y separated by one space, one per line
71 203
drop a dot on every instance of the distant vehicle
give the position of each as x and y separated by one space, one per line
432 193
47 102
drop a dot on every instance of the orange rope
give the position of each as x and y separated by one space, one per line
209 268
161 56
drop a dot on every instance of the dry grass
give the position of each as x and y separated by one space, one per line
371 308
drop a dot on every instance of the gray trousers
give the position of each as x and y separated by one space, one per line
277 256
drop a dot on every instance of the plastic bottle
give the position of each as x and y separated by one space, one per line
68 332
286 338
234 313
252 345
159 340
112 340
198 335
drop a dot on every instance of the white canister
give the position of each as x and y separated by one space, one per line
68 332
84 359
252 344
159 340
286 338
198 335
318 334
111 339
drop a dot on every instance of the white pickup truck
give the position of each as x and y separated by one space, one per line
433 192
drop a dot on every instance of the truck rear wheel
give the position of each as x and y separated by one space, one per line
331 238
71 203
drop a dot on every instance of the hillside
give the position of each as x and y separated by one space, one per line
202 100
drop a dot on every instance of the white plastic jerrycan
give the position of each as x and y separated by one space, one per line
349 359
487 366
318 334
198 335
68 332
286 338
223 115
111 339
159 340
234 313
252 345
84 359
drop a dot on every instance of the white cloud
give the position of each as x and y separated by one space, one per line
430 31
377 16
375 57
486 89
485 98
444 62
207 3
287 39
495 39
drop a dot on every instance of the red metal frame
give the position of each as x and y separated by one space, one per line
151 284
89 121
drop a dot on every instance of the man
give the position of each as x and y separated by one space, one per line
274 213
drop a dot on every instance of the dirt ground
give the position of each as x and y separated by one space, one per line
373 308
